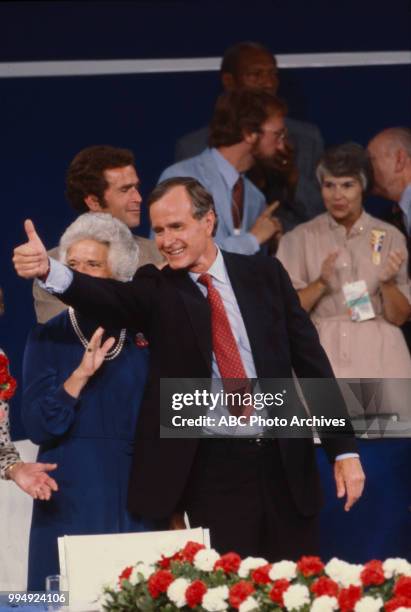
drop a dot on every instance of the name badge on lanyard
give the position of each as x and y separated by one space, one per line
358 301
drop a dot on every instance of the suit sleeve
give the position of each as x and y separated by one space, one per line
114 303
312 367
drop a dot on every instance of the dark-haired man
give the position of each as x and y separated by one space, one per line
288 176
211 314
247 126
101 179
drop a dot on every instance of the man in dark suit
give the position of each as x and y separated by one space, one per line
288 177
260 497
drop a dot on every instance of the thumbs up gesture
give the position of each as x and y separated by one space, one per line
31 259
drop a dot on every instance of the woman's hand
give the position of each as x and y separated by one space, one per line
33 479
310 295
94 354
327 268
392 267
92 360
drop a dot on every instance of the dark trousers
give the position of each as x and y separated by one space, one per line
237 488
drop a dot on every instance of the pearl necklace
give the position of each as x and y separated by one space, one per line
115 351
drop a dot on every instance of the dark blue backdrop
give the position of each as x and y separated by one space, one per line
45 121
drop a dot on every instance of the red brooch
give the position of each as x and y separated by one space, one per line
140 341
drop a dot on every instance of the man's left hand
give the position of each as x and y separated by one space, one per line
349 480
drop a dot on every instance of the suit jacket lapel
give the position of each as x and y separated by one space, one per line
198 312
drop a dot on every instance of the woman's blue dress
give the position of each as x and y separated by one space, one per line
90 438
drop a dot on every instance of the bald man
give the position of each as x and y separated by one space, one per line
390 153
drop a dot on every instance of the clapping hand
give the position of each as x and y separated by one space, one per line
327 268
30 259
392 267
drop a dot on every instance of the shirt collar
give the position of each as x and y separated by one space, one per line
358 226
217 270
405 201
227 170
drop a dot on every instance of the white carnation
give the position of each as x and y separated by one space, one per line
168 549
296 596
248 605
205 559
396 566
141 568
176 592
104 600
215 599
250 563
324 603
369 604
283 569
344 573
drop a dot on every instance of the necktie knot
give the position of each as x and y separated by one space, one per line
206 280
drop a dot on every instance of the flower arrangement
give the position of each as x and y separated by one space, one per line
7 382
199 579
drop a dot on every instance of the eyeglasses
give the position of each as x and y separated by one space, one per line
278 134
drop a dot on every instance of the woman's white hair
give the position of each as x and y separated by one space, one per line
123 251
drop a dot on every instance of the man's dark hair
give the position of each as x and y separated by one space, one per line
240 112
85 174
348 159
232 55
201 200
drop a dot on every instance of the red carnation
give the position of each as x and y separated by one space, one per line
402 587
159 582
325 586
260 575
229 563
310 566
190 550
278 590
125 574
348 598
373 573
4 365
195 593
397 602
7 386
164 562
239 593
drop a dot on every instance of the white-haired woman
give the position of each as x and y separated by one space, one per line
82 391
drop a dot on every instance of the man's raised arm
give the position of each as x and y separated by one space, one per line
110 302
